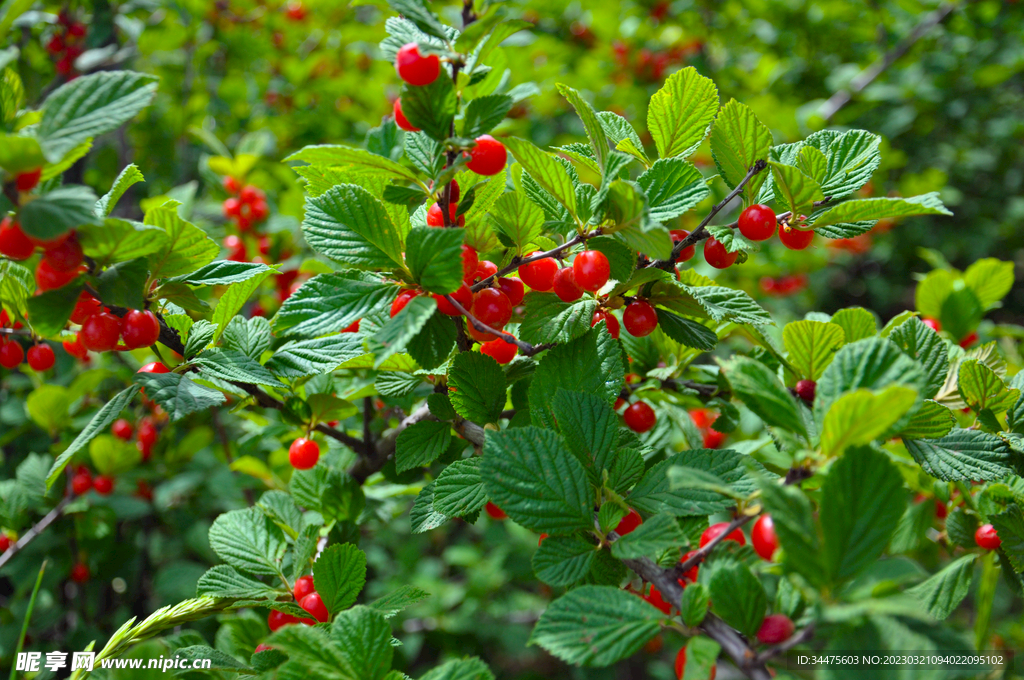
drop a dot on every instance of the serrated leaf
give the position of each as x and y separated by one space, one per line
479 385
518 219
591 363
861 416
931 421
655 493
920 342
394 336
320 355
857 323
234 298
339 575
623 136
434 257
963 455
811 345
419 13
738 596
397 600
431 108
127 178
187 249
793 520
655 535
423 517
982 389
348 224
329 303
563 560
941 593
717 302
990 280
595 133
1009 525
114 240
232 366
673 186
853 157
177 395
686 331
251 337
590 429
56 212
694 604
545 170
621 260
865 209
396 384
248 540
354 160
434 343
49 311
797 191
364 639
764 394
483 113
874 364
226 581
222 273
459 489
460 669
680 113
549 319
738 141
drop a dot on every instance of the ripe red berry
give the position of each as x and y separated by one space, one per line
763 538
402 300
86 306
487 157
757 222
251 194
232 207
122 429
591 270
485 270
640 318
352 327
631 521
414 68
259 210
539 275
48 278
680 666
314 604
5 542
303 587
639 417
805 390
100 332
80 572
140 328
691 573
968 340
494 511
76 349
619 403
436 219
689 251
565 285
103 484
480 336
795 239
261 648
470 261
713 438
492 308
656 600
154 367
66 257
303 453
230 184
278 619
27 181
611 323
716 255
400 119
774 629
295 11
41 357
13 242
464 296
498 349
987 538
512 288
81 482
932 323
714 530
147 433
11 354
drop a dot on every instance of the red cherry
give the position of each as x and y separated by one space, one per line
757 222
147 435
492 308
639 417
122 429
436 219
714 530
565 285
80 572
154 367
264 245
41 358
619 403
56 45
498 349
805 390
774 629
689 251
251 194
76 349
259 210
400 119
314 604
713 439
969 340
352 327
100 332
941 510
631 521
66 257
611 323
540 540
655 599
488 156
640 318
27 181
987 538
5 542
261 648
680 666
494 511
103 484
539 275
464 296
81 482
296 12
932 323
591 270
485 270
230 184
46 244
303 453
414 68
716 255
11 355
402 300
86 306
13 241
691 573
480 336
48 278
303 587
795 239
513 290
763 538
140 328
278 619
232 207
470 261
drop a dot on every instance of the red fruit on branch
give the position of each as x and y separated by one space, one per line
140 328
251 194
639 417
565 285
680 666
100 332
513 289
691 573
805 389
488 157
232 207
591 270
689 251
314 604
492 308
278 619
757 223
80 572
303 453
539 275
154 367
81 482
763 538
104 485
968 340
494 511
628 523
402 300
464 296
435 218
640 318
352 327
717 256
415 68
500 350
76 349
713 531
261 648
795 239
66 257
11 354
611 323
122 429
86 306
27 181
932 323
485 270
775 628
41 357
14 244
986 537
303 587
231 184
48 278
400 119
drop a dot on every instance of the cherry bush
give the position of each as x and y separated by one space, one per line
482 324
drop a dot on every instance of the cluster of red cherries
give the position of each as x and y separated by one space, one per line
67 43
757 223
308 599
247 206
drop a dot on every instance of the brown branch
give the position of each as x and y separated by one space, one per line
700 555
36 529
526 348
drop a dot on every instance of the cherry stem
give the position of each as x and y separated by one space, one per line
700 555
527 348
36 528
519 261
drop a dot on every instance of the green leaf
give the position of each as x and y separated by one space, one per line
434 257
333 493
545 170
933 290
348 224
226 581
460 669
16 283
589 427
655 535
920 342
738 596
673 186
49 312
394 335
595 133
128 177
862 501
419 13
421 443
931 421
431 107
861 416
329 303
434 343
857 323
622 134
940 594
310 357
99 423
533 477
89 106
621 260
811 345
990 280
113 456
963 455
310 653
222 273
483 113
793 518
563 560
248 540
459 489
423 517
517 219
870 209
686 331
716 302
114 240
177 395
656 494
364 638
853 157
981 388
591 363
354 160
188 247
397 600
681 112
548 319
234 298
1009 525
55 212
339 575
123 284
232 366
479 385
738 140
596 626
873 364
694 604
797 191
764 394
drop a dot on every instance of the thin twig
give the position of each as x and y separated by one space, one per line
526 348
701 554
35 530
